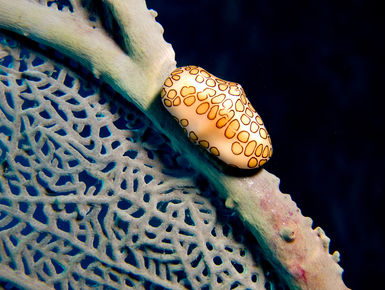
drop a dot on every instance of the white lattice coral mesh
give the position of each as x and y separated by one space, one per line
83 200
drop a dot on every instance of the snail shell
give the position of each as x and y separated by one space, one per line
217 115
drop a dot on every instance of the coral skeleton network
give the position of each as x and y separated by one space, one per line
101 188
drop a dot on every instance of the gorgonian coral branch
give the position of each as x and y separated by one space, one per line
299 253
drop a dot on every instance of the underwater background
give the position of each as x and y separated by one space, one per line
315 73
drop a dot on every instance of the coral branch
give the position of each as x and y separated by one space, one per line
138 43
299 253
138 78
23 280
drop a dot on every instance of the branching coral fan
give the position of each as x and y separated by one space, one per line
92 193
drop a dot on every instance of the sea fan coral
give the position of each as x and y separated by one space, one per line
93 195
87 193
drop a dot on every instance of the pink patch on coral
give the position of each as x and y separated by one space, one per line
299 273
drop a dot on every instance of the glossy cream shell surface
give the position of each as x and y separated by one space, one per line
217 115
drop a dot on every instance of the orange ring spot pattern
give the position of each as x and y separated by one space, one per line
217 115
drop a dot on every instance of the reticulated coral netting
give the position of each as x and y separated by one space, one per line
92 196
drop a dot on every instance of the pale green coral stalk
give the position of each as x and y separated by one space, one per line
299 253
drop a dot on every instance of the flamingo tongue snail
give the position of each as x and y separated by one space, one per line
217 115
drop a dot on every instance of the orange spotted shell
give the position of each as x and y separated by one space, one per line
217 115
